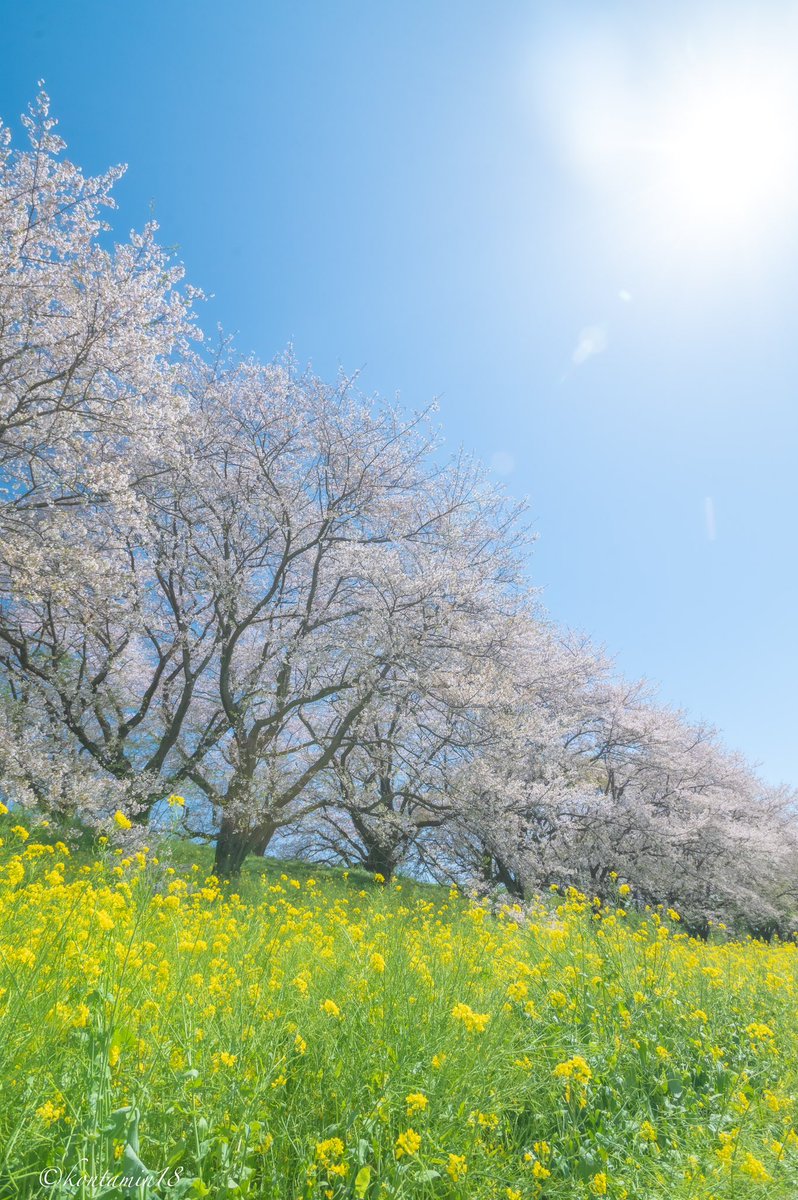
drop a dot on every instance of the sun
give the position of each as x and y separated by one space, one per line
688 149
727 154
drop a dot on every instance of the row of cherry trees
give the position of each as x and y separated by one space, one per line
277 598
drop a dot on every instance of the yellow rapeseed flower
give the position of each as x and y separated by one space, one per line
754 1169
408 1142
759 1032
474 1022
457 1167
329 1153
647 1132
49 1112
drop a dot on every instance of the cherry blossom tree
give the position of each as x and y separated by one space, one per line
105 632
339 558
274 595
618 784
209 570
92 336
402 769
88 330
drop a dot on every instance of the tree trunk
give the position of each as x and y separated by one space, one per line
233 844
382 855
499 872
380 860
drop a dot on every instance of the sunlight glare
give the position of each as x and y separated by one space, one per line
695 150
728 155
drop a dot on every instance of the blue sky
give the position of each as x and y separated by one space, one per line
472 202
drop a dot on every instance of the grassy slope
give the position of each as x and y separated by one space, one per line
325 1036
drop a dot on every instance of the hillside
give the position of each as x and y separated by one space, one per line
324 1035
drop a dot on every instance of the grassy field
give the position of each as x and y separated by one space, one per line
326 1035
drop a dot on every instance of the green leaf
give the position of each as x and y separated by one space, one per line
119 1122
362 1181
132 1167
674 1084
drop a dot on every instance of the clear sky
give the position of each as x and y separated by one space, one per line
574 224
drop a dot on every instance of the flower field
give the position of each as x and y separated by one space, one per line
339 1037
